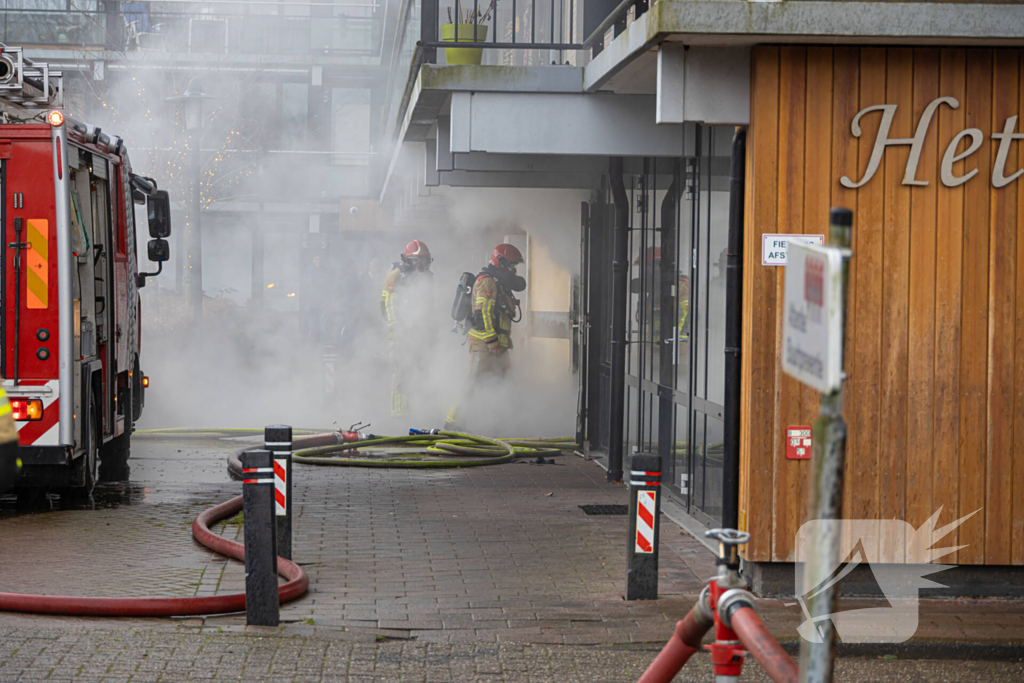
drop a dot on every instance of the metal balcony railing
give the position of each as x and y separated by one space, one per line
506 32
249 34
42 27
499 24
356 32
602 16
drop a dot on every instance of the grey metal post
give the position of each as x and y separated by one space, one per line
825 501
278 440
258 284
428 29
733 335
194 259
644 529
619 321
330 363
668 323
262 606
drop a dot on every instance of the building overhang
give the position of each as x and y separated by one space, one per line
718 23
527 127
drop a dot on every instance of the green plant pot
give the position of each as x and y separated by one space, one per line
463 55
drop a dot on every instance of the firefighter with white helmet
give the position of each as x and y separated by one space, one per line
407 308
495 309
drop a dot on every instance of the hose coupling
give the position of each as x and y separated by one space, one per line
732 600
423 432
702 612
352 437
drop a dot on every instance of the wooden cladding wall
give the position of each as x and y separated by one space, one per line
934 402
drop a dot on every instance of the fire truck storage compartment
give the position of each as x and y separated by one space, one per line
92 187
30 260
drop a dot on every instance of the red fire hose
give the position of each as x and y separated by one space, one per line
685 641
315 441
779 666
297 584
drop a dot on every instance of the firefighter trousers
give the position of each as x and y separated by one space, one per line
484 367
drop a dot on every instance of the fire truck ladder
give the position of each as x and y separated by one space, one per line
29 84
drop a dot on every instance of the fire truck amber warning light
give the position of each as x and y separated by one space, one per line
55 118
145 381
30 409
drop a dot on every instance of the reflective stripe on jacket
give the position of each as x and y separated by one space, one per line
492 310
387 297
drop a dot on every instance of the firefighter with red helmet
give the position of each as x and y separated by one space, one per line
495 309
407 308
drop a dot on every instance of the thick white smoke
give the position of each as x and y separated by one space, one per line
253 363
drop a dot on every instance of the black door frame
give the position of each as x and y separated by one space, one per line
662 396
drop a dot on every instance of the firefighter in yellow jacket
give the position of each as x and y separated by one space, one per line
9 462
495 309
651 300
407 309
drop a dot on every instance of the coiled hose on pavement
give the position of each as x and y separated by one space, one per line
296 586
416 451
439 449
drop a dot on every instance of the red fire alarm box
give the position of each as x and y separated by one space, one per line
798 442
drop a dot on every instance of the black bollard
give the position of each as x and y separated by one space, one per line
278 440
644 528
262 606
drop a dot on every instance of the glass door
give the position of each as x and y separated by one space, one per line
704 327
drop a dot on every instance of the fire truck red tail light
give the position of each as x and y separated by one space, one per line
27 409
55 118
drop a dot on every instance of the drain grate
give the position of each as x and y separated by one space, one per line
605 509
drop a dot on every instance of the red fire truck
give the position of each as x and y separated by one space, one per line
71 361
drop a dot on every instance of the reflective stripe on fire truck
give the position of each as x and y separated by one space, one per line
37 275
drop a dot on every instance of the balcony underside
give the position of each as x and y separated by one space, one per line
725 24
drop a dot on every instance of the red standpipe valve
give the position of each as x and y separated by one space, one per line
355 433
727 651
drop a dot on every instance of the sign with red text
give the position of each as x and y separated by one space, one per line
798 442
812 317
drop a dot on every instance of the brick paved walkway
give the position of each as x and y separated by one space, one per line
490 574
474 555
477 555
140 656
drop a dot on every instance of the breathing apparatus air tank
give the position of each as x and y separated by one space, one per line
462 306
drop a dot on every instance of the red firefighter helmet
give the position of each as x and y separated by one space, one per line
507 253
417 253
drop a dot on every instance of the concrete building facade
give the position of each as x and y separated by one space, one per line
667 115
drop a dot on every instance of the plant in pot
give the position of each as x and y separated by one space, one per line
463 32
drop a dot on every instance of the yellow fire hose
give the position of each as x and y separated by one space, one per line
459 450
427 450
